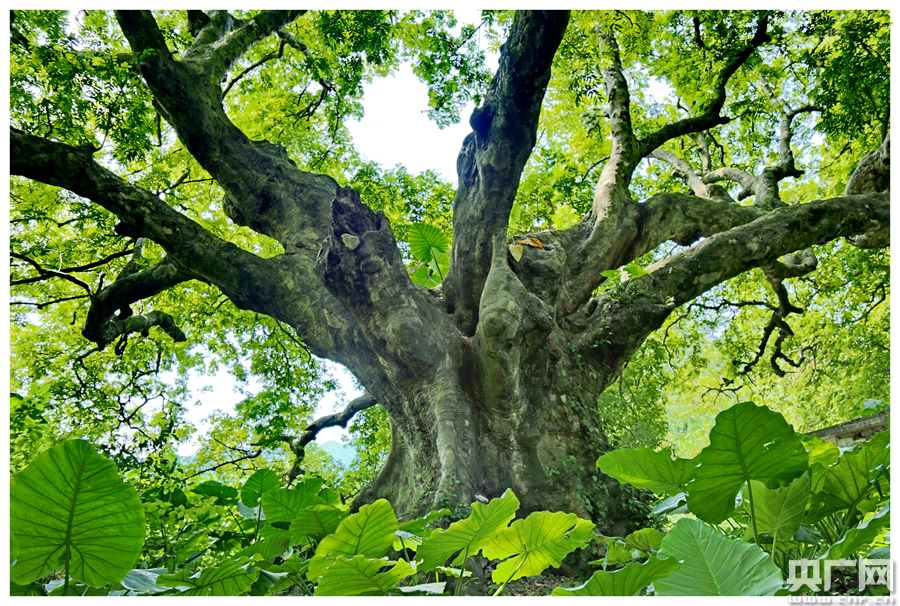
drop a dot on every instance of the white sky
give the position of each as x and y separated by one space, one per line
395 130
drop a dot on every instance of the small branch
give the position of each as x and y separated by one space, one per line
252 455
269 57
46 274
338 419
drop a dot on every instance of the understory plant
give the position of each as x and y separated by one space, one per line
757 498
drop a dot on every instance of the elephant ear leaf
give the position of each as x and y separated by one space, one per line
748 442
69 508
370 532
231 577
361 576
531 545
470 535
627 581
645 468
713 564
261 482
426 240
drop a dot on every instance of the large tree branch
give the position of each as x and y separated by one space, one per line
709 117
103 326
265 189
622 319
492 157
250 281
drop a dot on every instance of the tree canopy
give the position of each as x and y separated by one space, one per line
675 207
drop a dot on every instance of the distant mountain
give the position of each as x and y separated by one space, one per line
341 453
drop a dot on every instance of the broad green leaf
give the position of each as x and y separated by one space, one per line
672 505
439 264
31 589
69 503
425 276
646 468
645 539
748 442
628 581
713 564
284 504
266 581
468 536
859 537
369 532
251 513
419 526
424 240
846 484
820 451
779 510
269 548
143 580
330 497
531 545
362 576
411 534
224 495
231 577
264 480
424 589
313 485
316 521
616 553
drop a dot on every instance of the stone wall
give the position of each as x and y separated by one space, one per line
854 431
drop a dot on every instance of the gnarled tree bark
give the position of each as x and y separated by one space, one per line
491 380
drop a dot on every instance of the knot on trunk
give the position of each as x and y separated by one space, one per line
359 249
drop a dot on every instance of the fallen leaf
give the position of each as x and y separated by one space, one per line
534 242
516 251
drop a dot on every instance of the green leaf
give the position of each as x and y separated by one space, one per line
284 504
672 505
470 535
361 576
419 526
224 495
424 240
646 468
846 484
70 505
316 521
779 510
269 548
424 589
859 537
713 564
369 532
439 264
628 581
266 581
143 580
748 442
262 481
531 545
424 276
645 539
231 577
820 451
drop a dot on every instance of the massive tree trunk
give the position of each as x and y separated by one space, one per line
490 380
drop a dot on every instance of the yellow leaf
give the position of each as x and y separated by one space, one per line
534 242
516 251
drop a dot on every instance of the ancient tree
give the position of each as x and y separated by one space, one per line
490 378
